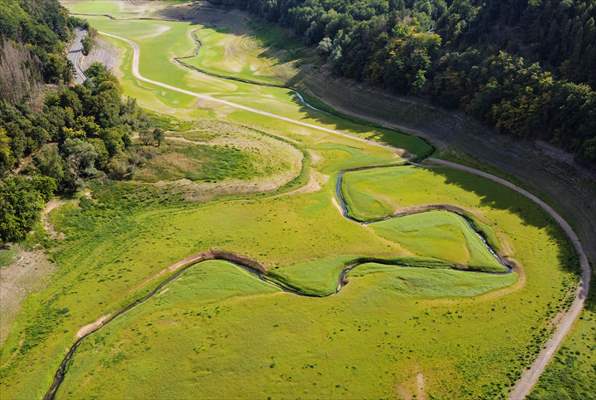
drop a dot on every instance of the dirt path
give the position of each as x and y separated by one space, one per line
137 75
421 393
530 376
45 218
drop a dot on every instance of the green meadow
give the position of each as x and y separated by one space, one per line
219 153
437 233
571 373
265 55
217 331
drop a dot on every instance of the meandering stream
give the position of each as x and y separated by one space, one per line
252 266
259 271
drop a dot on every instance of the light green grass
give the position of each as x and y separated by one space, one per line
429 283
218 332
153 36
231 327
265 55
7 256
442 235
376 193
110 255
119 9
196 163
570 375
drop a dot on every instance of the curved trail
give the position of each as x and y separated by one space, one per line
137 75
195 53
259 271
530 376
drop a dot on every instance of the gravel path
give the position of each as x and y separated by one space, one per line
137 74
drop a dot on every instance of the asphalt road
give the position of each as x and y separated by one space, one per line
75 54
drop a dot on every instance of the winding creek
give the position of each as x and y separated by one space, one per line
260 272
195 53
255 268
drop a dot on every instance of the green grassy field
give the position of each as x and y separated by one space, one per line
376 193
571 373
219 332
437 234
262 55
196 163
7 256
216 152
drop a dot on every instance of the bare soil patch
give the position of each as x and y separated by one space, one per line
102 52
316 180
87 329
45 218
413 388
26 274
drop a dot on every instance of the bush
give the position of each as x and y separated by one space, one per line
21 200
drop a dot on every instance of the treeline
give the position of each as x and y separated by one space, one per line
524 66
51 140
33 34
81 132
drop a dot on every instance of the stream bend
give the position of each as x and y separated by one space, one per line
195 52
259 271
253 266
530 375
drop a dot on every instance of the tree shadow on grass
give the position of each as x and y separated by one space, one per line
224 20
498 197
492 194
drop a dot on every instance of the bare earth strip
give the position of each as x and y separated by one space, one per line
17 280
45 218
26 274
531 375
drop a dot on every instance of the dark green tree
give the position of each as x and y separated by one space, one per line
158 136
21 200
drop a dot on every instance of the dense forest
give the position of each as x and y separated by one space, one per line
32 37
525 67
53 136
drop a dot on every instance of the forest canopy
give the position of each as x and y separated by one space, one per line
526 67
82 132
51 140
